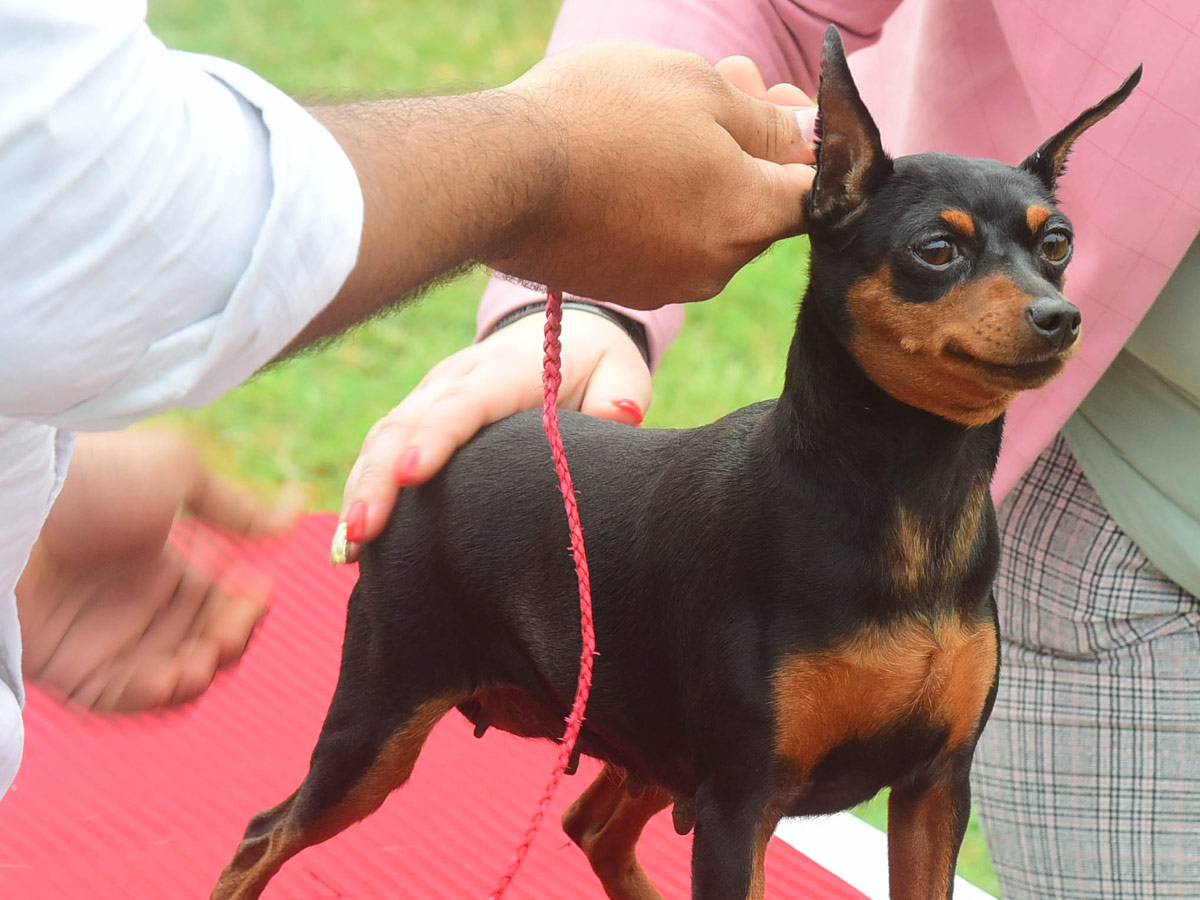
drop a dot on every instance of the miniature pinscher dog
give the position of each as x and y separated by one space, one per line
793 605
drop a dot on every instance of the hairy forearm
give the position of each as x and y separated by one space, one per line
620 172
445 181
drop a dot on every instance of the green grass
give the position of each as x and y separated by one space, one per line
303 421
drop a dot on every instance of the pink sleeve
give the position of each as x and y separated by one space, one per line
783 38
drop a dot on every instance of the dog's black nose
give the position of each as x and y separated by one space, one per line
1054 319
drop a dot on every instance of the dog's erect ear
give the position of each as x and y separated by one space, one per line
850 158
1048 161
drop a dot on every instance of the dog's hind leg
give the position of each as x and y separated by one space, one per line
606 823
758 879
340 789
390 694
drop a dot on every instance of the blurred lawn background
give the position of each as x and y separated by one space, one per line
303 421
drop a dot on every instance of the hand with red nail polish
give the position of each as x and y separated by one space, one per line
603 375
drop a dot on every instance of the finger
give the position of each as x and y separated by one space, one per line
204 627
373 486
140 687
764 130
487 395
743 74
232 507
233 610
620 387
784 94
135 685
148 659
99 623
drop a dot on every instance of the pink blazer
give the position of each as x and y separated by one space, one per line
986 78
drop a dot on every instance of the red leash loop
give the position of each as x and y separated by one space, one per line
551 381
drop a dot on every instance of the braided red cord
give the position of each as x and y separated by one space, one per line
551 381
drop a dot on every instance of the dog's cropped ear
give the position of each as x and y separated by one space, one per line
1048 161
850 158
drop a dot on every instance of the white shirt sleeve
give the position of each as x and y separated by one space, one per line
168 221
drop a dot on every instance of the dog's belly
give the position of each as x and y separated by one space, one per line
513 710
878 709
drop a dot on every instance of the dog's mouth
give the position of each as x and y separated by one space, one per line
1022 375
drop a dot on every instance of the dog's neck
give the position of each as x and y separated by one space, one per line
830 409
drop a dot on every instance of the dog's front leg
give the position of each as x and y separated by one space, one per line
926 823
729 821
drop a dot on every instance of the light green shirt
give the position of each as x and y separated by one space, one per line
1137 435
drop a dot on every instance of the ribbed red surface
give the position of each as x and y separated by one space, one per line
153 807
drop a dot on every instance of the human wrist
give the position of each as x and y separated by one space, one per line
534 167
635 330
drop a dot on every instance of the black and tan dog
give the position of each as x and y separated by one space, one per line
793 604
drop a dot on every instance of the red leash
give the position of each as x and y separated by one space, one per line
551 381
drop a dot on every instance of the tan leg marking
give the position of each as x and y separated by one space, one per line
258 858
758 880
606 823
922 843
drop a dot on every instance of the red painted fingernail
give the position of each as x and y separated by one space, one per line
356 521
630 409
406 466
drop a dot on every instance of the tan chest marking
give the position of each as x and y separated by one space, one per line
940 675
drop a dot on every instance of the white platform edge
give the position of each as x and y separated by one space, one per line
854 851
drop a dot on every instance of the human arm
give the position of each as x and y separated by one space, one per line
200 220
555 176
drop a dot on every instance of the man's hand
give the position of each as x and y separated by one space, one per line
674 176
112 615
603 374
621 173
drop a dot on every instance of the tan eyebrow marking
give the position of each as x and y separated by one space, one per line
960 221
1036 217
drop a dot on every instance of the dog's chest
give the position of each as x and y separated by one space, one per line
913 675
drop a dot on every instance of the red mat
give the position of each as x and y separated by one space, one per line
152 807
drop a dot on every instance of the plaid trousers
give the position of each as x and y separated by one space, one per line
1087 778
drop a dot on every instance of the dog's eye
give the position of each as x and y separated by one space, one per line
938 253
1055 246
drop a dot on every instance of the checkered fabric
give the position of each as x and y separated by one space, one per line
1088 774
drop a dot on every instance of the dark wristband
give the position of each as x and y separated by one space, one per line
636 330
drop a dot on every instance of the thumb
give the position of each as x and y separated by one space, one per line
766 131
775 195
619 387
